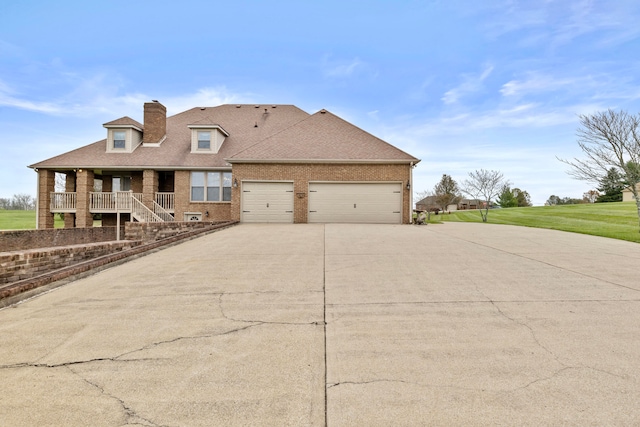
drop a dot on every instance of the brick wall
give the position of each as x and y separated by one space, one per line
115 252
20 265
46 185
155 121
302 174
152 231
218 211
17 240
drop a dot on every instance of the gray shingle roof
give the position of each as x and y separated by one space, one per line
126 120
321 137
256 132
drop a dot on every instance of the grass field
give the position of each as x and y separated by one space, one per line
615 220
22 220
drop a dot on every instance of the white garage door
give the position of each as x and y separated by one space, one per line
267 202
375 203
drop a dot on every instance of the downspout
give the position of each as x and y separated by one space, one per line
37 198
411 193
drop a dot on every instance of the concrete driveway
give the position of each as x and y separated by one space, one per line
339 325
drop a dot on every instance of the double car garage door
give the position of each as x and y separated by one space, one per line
376 203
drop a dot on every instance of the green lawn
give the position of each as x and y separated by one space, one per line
22 220
615 220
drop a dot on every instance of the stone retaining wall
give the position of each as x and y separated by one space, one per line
20 265
19 240
16 290
152 231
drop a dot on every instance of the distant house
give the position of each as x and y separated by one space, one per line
466 204
627 195
249 163
429 204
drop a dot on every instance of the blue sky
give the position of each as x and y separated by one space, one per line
462 85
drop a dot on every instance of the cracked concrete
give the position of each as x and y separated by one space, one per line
338 325
470 324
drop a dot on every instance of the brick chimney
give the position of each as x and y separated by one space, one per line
155 122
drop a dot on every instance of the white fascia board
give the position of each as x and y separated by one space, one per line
224 132
318 161
123 127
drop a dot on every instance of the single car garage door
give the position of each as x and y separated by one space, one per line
375 203
267 202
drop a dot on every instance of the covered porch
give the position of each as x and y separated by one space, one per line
142 196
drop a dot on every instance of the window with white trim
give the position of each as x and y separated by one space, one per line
210 186
204 140
119 139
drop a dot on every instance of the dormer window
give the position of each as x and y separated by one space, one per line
119 139
123 135
206 138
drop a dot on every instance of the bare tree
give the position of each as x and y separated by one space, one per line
591 196
60 182
609 139
484 186
23 202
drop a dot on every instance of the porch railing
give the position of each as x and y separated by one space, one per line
119 201
162 213
167 201
142 213
63 202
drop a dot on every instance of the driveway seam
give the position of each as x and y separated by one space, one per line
324 315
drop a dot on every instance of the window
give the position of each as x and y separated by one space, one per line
210 186
119 137
204 140
121 183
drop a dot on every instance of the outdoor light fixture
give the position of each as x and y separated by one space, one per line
206 213
235 183
408 185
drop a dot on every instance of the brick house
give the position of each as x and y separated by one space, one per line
627 195
249 163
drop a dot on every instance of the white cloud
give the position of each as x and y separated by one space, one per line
204 97
341 68
558 23
534 83
100 94
471 83
346 68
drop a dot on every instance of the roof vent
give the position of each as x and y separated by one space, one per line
257 106
203 108
323 111
256 125
238 106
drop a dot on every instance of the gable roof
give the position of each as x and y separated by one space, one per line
257 133
322 137
246 125
124 121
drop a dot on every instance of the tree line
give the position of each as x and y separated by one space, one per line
487 188
610 142
21 202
